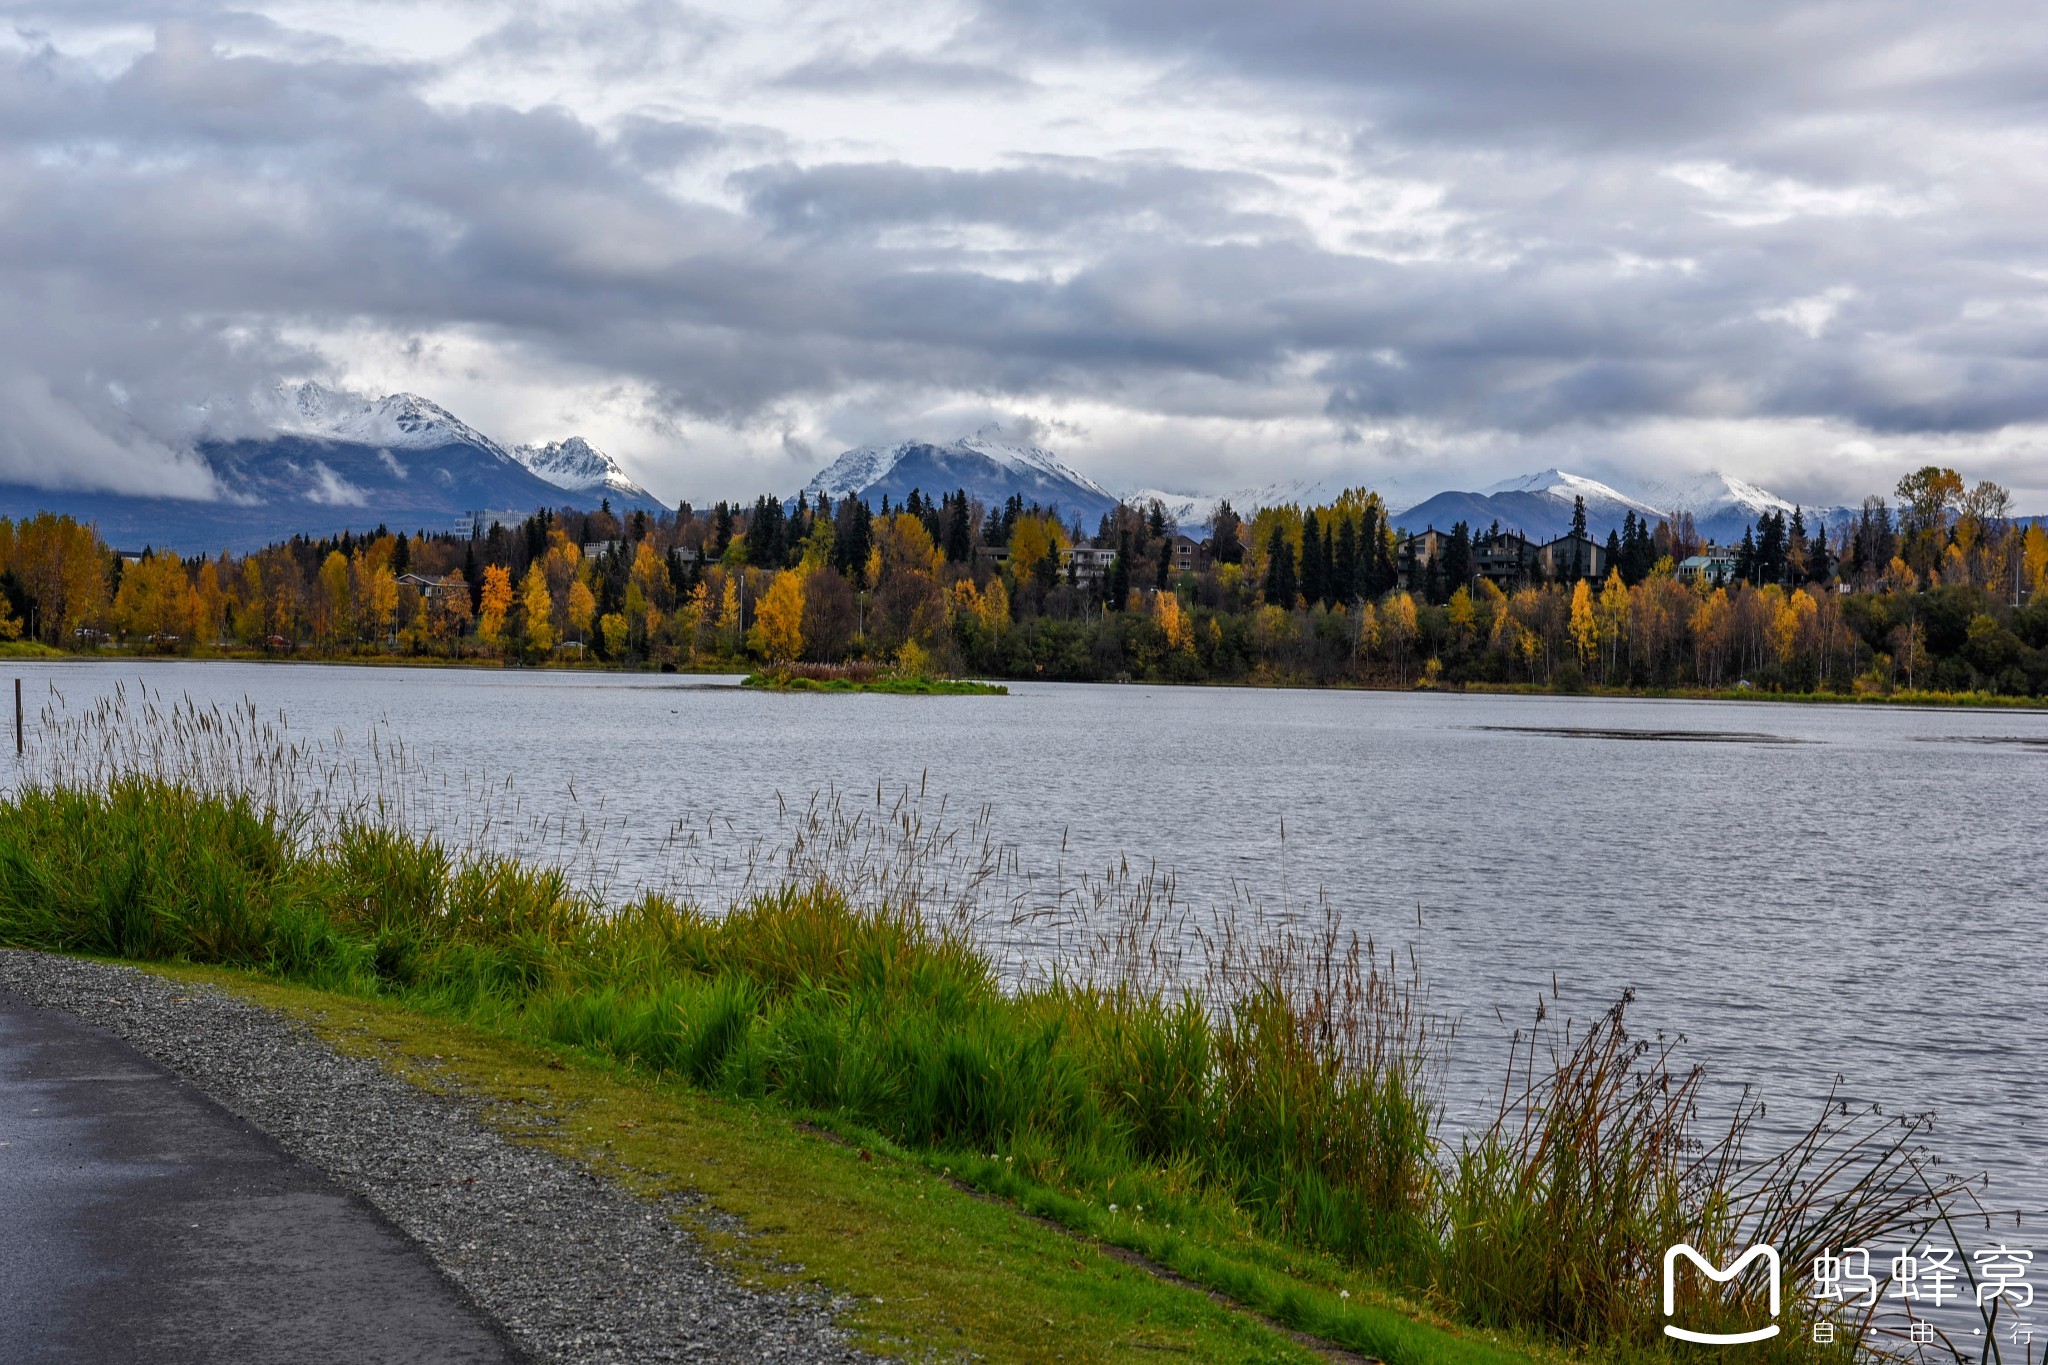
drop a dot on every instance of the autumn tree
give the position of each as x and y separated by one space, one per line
538 604
778 634
496 606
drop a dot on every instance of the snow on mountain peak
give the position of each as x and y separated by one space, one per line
865 466
1714 492
397 421
579 466
1555 483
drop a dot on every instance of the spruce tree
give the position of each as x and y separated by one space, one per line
1280 580
1344 582
959 534
1224 543
1578 517
1458 560
1313 585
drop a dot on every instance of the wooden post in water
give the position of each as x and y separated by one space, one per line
17 718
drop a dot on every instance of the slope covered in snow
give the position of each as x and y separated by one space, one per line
397 421
1601 500
580 467
989 465
306 459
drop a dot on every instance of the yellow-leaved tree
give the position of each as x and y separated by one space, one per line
332 603
581 609
2034 557
540 610
1173 623
778 634
1585 629
495 606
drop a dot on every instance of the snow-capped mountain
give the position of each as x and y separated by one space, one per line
305 459
397 421
1712 493
1601 500
1723 506
989 465
1541 504
581 467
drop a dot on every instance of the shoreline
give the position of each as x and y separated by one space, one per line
742 669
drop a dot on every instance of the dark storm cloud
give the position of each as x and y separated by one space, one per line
1788 212
857 197
1592 72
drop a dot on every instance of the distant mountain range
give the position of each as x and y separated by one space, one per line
304 459
1540 505
993 467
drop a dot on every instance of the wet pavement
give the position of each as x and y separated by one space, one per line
141 1221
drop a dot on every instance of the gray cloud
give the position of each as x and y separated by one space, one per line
1766 215
897 72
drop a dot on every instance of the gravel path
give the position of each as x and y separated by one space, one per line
572 1267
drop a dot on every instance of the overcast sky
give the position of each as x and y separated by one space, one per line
1191 244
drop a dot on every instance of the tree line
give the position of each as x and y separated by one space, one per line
1943 591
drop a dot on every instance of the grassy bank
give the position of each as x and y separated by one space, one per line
926 1263
1263 1128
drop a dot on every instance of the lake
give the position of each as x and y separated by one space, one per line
1805 892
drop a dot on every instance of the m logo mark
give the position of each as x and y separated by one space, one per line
1767 1254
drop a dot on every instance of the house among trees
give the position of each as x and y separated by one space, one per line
429 588
1713 565
1506 559
1087 563
1570 557
1188 555
1419 553
1449 560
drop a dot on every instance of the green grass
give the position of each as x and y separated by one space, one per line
927 1264
1270 1139
895 686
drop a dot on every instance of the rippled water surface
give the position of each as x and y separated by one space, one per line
1803 891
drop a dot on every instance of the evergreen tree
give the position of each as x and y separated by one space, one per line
1745 557
1614 551
1281 585
1344 585
764 534
1770 548
1313 585
473 577
1120 572
1458 560
959 534
1165 563
1578 517
1225 544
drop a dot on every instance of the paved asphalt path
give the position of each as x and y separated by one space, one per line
142 1222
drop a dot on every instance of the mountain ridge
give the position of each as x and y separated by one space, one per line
306 459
